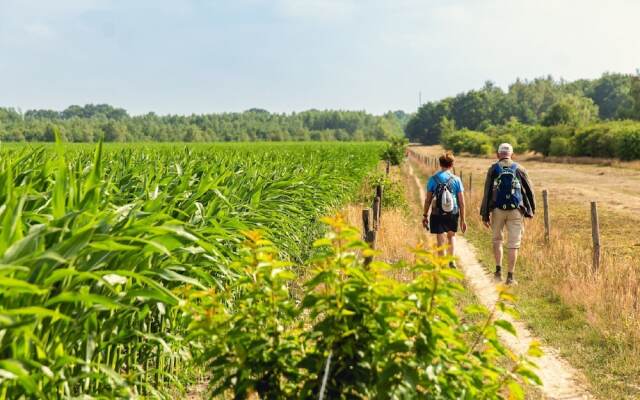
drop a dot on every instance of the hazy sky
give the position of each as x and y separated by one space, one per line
284 55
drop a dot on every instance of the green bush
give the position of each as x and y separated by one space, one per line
393 191
354 332
466 141
560 146
629 145
540 141
395 150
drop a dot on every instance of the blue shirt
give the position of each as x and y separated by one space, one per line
455 186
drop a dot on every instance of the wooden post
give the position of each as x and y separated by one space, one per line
376 213
368 234
547 217
379 191
595 234
388 166
470 182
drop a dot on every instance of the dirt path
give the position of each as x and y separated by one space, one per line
558 377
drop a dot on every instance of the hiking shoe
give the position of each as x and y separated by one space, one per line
497 276
510 280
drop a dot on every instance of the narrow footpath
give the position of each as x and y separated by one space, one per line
558 377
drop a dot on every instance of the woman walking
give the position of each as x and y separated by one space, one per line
444 208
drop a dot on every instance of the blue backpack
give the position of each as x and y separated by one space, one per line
507 188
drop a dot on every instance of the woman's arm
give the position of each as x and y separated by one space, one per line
461 205
427 203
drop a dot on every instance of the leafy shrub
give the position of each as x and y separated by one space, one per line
513 132
395 150
354 332
560 146
541 138
392 191
629 145
473 142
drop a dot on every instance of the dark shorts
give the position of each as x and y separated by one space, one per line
443 223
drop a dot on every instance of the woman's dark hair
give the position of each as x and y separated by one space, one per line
447 160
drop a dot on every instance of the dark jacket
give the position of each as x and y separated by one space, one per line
528 199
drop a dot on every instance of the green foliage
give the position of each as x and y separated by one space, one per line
615 139
102 247
395 150
374 336
612 96
560 146
571 110
91 122
393 191
466 141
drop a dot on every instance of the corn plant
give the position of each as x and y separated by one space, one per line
101 247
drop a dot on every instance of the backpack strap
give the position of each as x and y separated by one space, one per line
447 182
497 168
514 167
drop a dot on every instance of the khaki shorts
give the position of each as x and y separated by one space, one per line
513 220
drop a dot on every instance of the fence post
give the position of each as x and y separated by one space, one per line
547 216
377 207
388 166
471 181
368 234
595 234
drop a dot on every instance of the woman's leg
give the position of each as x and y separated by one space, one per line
451 237
442 241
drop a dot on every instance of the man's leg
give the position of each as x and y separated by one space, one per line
498 221
497 226
513 257
515 228
497 252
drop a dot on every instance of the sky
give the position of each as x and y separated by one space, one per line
199 56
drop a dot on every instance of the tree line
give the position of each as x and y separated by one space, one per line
593 118
91 122
543 102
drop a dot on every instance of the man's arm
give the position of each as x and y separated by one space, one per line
528 190
486 197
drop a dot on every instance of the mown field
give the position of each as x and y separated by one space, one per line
101 245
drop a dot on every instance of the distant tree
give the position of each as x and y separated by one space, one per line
635 96
611 94
571 110
50 133
114 132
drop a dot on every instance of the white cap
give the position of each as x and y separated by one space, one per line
505 149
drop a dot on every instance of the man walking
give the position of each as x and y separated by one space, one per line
508 199
444 207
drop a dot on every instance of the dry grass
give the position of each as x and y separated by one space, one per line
400 230
610 296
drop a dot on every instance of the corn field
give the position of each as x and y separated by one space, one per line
100 246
